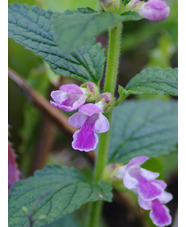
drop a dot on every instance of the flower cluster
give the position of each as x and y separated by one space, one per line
151 192
89 118
153 10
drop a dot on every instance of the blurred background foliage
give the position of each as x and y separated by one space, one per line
37 141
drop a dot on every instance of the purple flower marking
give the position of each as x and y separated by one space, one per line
159 213
154 10
91 120
70 97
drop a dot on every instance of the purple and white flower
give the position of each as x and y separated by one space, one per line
140 180
155 10
69 97
91 121
150 191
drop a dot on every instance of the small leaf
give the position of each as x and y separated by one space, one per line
154 81
31 27
53 192
145 127
122 95
74 28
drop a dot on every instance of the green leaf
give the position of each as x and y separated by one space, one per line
69 220
53 192
74 28
145 127
59 5
31 27
122 95
125 2
154 81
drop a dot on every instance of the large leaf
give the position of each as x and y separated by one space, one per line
154 81
31 27
74 28
69 220
61 5
145 127
53 192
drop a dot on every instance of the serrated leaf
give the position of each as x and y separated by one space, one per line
31 27
145 127
74 28
154 81
53 192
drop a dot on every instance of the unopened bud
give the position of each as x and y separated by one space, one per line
108 101
134 5
154 10
110 5
92 91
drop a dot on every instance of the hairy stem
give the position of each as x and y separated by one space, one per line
104 139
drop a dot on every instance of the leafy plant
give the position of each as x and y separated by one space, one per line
130 132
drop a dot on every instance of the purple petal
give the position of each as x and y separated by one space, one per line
79 102
148 174
145 204
86 144
85 139
71 89
58 96
165 197
102 124
160 214
129 181
147 190
159 183
77 119
90 109
136 162
67 102
56 105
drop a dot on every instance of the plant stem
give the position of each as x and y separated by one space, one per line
104 139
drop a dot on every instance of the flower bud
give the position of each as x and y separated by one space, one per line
154 10
91 90
134 5
110 5
107 100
